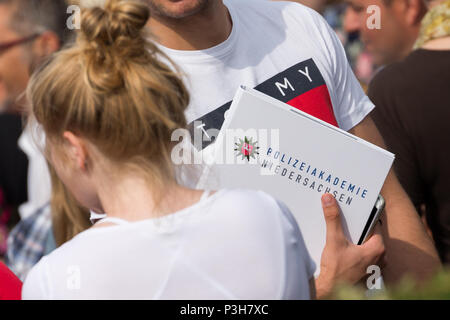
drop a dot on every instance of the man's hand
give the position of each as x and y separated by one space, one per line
343 261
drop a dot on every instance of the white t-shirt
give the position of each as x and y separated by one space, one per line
39 184
283 49
234 244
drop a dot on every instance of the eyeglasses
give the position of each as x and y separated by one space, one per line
8 45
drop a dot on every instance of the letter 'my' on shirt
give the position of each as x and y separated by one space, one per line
301 86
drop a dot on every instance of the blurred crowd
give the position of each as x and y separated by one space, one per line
399 51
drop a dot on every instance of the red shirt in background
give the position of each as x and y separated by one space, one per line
10 285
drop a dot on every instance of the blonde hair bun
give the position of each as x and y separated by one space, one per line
111 37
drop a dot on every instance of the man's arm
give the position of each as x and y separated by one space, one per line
312 289
409 249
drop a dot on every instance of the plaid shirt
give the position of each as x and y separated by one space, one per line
28 242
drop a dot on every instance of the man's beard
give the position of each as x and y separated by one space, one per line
160 10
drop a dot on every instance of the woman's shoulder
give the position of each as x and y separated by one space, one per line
254 207
260 214
265 233
60 265
248 200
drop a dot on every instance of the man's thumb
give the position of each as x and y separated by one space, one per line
331 212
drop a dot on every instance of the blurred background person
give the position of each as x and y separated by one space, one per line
345 22
15 45
360 59
13 175
30 31
399 27
412 99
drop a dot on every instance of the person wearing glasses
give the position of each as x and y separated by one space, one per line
30 31
13 162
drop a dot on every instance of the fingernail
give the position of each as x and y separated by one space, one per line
327 200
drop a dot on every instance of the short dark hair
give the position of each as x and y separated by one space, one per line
29 15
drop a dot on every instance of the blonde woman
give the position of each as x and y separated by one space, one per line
108 107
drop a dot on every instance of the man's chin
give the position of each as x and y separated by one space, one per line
377 58
177 9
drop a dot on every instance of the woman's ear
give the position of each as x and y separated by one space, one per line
76 150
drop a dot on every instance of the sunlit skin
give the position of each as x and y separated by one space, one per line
399 27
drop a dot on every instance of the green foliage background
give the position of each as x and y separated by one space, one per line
438 288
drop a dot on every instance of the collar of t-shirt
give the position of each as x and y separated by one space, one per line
215 53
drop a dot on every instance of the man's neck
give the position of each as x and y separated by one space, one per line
201 31
410 37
